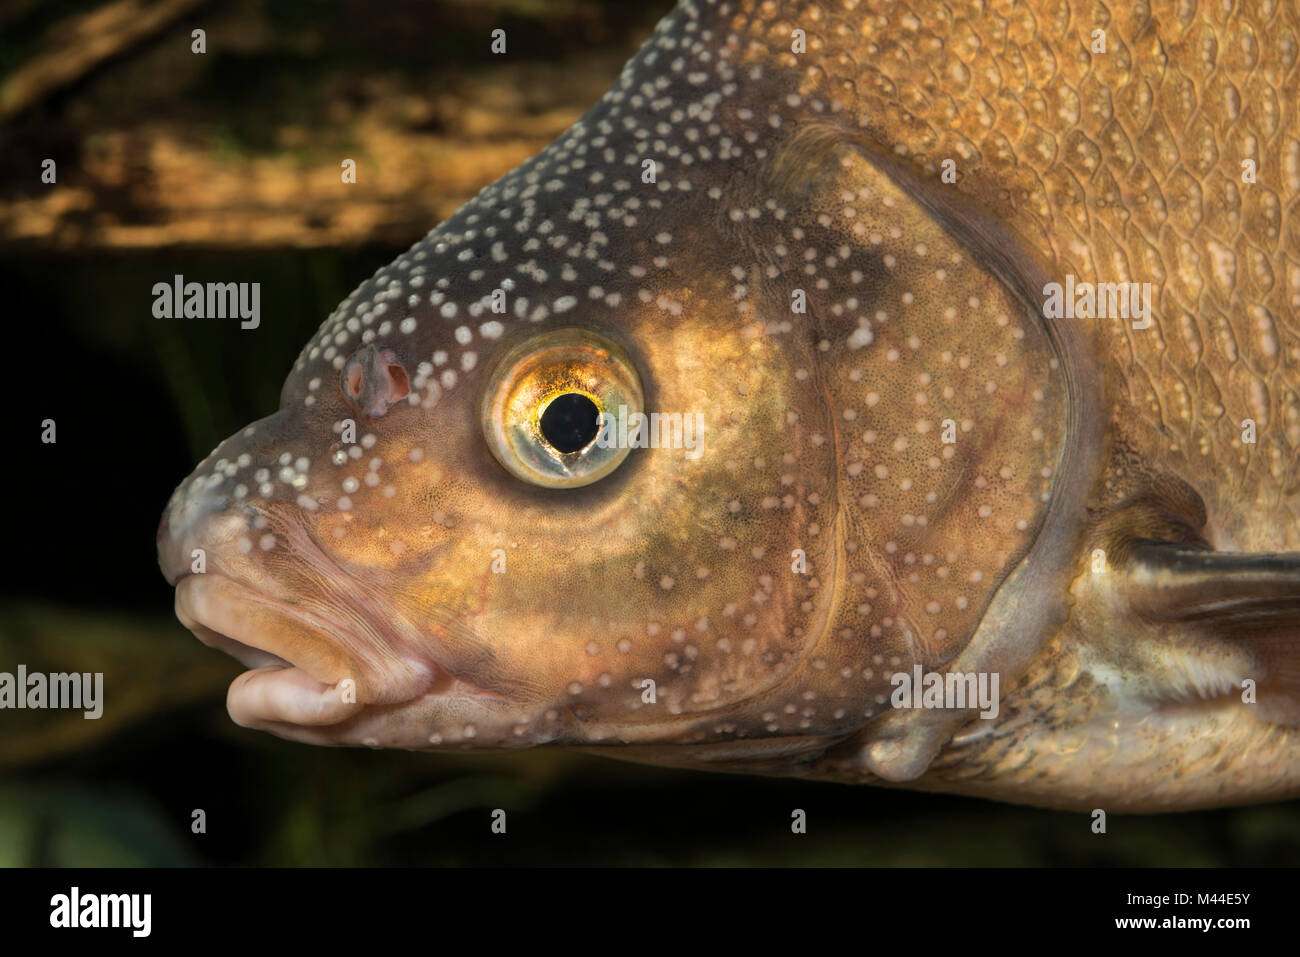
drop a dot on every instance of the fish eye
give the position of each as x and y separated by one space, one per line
569 422
543 403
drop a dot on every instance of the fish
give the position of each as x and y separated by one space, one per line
982 318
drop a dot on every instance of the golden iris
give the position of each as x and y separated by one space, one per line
576 375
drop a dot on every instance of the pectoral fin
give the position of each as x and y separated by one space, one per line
1250 599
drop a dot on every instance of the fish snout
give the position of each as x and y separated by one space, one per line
241 542
225 503
196 502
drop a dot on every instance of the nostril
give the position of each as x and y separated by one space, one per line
399 385
352 380
374 379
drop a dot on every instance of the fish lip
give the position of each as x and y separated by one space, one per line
339 605
284 686
300 634
281 691
245 649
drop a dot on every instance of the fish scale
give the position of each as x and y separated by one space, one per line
828 230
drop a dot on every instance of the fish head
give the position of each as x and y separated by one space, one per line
436 542
439 561
679 461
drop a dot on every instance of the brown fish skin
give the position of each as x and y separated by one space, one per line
1128 165
369 567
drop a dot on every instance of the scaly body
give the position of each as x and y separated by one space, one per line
907 459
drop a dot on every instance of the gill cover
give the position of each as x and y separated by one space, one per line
967 427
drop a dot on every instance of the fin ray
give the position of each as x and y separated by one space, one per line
1253 599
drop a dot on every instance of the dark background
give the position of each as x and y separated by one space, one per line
224 167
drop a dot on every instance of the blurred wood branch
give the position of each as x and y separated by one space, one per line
79 44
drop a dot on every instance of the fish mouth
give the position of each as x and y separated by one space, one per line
318 645
330 660
285 682
299 685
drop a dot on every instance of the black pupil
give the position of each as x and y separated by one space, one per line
569 422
